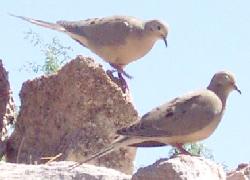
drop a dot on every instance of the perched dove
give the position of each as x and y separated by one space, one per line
185 119
119 40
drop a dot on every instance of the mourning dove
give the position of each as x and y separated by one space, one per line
119 40
185 119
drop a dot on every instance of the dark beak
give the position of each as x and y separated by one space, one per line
165 41
237 89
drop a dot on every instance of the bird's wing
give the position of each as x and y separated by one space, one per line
180 116
103 31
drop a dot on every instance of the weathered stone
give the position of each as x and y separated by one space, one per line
7 106
58 170
74 112
182 167
241 173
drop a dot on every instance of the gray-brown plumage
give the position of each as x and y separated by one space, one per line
119 40
189 118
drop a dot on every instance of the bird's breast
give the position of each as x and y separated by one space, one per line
123 54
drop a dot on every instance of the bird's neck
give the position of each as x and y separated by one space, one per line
220 92
147 41
150 37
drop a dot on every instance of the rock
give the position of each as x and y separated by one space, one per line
74 112
7 108
58 170
182 167
241 173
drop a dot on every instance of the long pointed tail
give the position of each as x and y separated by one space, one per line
45 24
114 146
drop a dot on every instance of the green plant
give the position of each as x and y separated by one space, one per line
56 55
196 149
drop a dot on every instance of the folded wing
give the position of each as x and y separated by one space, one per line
181 116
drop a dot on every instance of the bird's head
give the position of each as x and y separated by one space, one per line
157 29
225 81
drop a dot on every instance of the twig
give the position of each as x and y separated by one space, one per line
51 159
19 150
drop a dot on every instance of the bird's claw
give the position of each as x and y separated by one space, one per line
120 80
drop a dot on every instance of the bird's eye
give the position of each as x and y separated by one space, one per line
159 27
227 77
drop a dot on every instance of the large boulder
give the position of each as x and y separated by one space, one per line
75 112
182 167
7 108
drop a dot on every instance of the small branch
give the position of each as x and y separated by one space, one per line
19 150
51 159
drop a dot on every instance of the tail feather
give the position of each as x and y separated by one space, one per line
45 24
99 154
115 145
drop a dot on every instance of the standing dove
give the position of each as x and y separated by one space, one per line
119 40
185 119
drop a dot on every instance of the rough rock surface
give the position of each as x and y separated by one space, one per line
58 170
182 167
241 173
7 106
74 112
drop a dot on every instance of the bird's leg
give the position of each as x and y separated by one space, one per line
179 146
120 70
124 84
111 71
120 81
